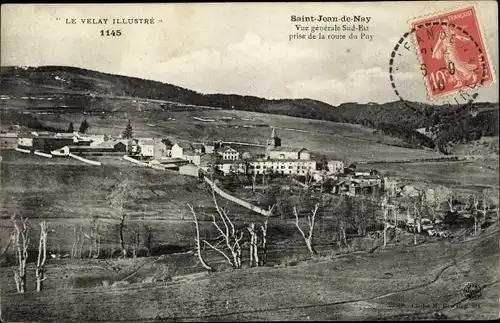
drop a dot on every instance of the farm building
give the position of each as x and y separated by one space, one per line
48 144
25 142
8 140
106 147
147 147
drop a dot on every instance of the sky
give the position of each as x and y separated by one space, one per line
239 48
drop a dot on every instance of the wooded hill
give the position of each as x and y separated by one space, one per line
83 87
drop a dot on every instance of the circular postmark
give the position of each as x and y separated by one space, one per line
463 96
472 291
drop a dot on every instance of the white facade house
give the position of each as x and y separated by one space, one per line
147 147
335 166
289 153
178 150
25 141
229 153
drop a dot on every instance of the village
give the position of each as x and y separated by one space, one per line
305 168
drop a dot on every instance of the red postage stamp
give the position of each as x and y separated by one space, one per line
452 53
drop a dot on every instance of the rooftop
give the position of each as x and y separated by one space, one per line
197 146
184 145
283 160
288 149
108 143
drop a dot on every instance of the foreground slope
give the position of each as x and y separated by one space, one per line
411 282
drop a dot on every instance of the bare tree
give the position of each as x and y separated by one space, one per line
385 210
21 242
442 194
486 199
450 198
148 243
254 251
475 209
254 180
311 219
263 229
42 256
78 242
197 240
118 198
123 216
135 247
94 238
228 235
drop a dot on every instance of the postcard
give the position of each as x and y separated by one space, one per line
249 161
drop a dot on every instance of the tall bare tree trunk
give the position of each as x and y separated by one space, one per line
254 180
395 224
385 226
197 240
135 248
42 256
250 229
263 229
475 225
82 242
122 240
415 224
21 242
76 242
308 239
254 254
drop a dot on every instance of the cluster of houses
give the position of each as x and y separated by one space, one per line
229 160
62 144
196 158
277 159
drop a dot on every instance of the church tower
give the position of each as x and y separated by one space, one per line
272 142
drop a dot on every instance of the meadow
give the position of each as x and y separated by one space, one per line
403 281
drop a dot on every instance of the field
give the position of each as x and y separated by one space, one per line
348 142
400 282
473 175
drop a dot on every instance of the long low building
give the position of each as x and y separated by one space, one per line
268 166
282 166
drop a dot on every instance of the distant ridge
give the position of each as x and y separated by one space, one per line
394 118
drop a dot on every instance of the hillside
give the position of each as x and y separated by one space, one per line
79 90
405 282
